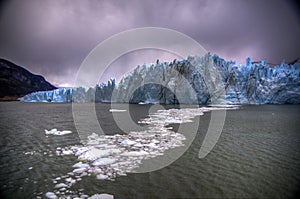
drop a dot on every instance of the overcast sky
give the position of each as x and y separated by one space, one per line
52 38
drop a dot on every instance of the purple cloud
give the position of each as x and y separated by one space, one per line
53 37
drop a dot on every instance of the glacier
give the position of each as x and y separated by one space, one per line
195 80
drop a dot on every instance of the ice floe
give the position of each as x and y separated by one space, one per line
81 165
117 110
56 132
102 196
108 156
104 161
51 195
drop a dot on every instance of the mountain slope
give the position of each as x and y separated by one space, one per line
16 81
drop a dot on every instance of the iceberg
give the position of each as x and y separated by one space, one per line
56 132
212 79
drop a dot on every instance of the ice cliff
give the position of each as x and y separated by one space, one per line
202 80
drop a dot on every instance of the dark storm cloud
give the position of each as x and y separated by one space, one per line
53 37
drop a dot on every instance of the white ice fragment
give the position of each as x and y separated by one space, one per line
104 161
155 141
101 177
128 142
105 196
138 145
51 195
64 132
152 145
61 185
79 170
173 120
81 165
101 196
117 110
56 132
52 131
135 153
95 153
70 180
63 189
67 152
80 150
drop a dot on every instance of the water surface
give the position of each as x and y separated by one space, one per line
257 155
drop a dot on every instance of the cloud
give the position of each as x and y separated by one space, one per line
52 38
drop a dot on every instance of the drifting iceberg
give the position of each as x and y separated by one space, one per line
212 79
56 132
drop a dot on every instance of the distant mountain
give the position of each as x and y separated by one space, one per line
16 81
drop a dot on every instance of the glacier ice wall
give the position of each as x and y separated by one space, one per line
212 79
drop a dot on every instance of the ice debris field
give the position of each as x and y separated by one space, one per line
108 156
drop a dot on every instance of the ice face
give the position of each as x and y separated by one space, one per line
244 84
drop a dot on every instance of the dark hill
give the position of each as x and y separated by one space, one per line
16 81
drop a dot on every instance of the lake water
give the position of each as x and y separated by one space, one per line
257 155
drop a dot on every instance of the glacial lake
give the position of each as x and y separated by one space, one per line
256 156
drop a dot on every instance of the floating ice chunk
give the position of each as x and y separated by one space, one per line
51 195
155 141
56 132
110 156
104 161
64 132
173 120
101 177
80 150
67 152
138 145
52 131
95 153
114 151
79 170
128 142
152 145
61 185
69 179
101 196
81 165
117 110
135 153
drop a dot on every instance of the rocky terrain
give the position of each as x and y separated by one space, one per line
16 81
